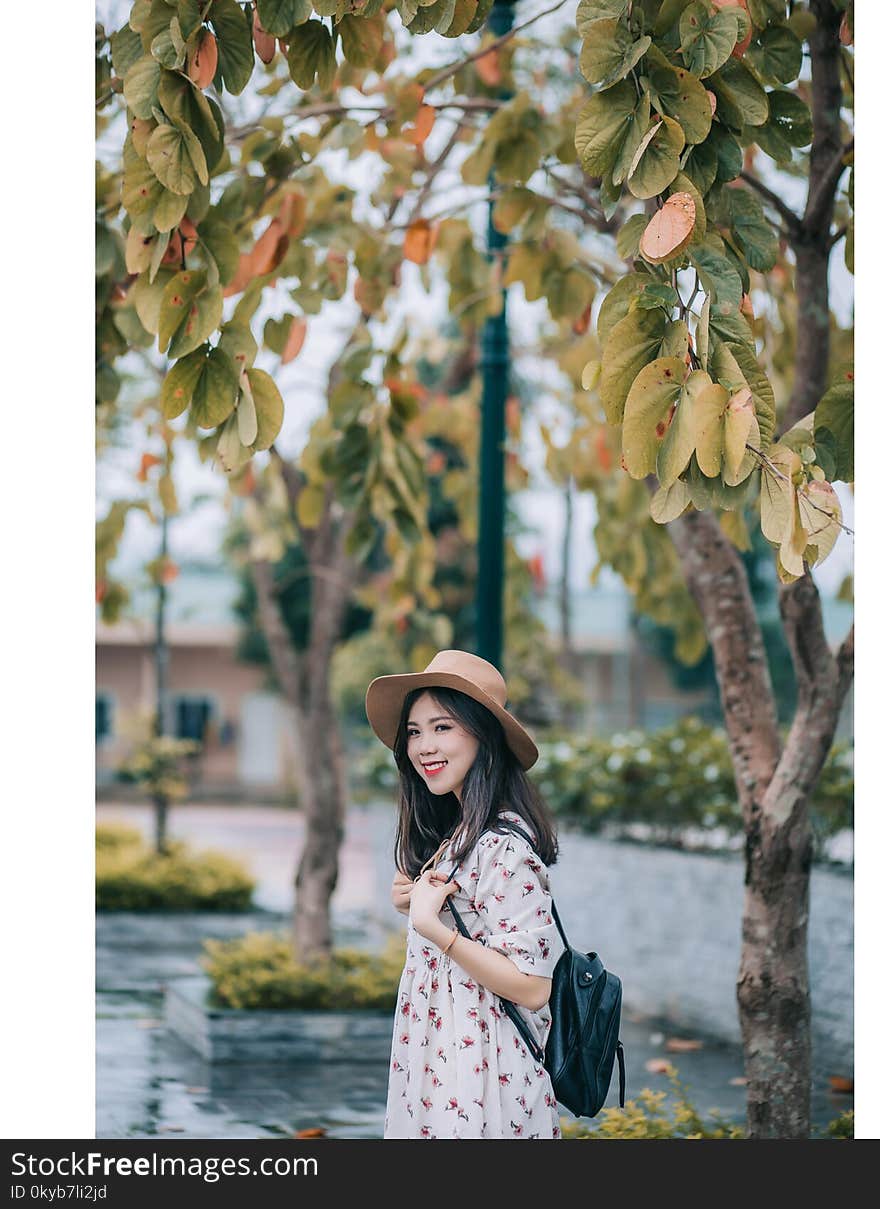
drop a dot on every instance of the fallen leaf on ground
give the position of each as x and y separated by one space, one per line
738 1081
318 1132
657 1066
841 1084
682 1045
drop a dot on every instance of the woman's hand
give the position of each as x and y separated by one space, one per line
428 894
401 889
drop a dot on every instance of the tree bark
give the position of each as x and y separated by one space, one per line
774 785
304 679
774 788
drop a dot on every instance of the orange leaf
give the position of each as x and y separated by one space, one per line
100 590
670 229
292 213
295 340
317 1132
202 65
147 460
845 32
419 241
603 453
582 323
682 1045
489 68
423 125
266 254
840 1084
264 44
170 572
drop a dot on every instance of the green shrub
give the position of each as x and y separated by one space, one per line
843 1127
113 837
680 775
131 877
650 1116
676 777
261 970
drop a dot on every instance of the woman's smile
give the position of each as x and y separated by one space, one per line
429 729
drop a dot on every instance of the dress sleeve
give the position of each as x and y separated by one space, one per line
513 901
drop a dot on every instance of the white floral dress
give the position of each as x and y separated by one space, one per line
459 1068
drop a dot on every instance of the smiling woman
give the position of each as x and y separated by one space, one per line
458 1066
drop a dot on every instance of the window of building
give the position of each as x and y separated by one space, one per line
103 717
191 717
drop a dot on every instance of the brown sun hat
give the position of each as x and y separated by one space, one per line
470 674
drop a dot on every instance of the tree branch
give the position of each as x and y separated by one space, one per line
716 577
443 75
793 222
822 684
822 193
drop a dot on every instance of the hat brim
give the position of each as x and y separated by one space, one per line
386 695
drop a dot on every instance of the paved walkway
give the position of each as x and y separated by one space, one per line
149 1083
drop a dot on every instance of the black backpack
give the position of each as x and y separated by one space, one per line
585 1003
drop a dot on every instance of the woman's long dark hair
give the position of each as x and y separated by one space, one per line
495 781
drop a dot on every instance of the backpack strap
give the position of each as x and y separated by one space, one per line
534 846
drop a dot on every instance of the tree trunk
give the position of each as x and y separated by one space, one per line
774 788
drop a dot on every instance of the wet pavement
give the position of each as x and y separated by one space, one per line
149 1083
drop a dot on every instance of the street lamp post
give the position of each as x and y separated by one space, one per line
494 364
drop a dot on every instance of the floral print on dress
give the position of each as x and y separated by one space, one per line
459 1068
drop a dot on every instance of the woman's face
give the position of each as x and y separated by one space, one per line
441 751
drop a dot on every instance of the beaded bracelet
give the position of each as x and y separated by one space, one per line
454 938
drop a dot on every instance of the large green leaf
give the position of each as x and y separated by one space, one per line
184 103
180 382
764 11
216 390
146 297
789 124
618 302
752 231
669 502
279 16
681 96
190 311
656 162
776 55
717 274
631 345
741 99
175 155
219 241
269 407
708 36
681 439
609 52
589 11
836 411
735 365
638 129
235 49
362 38
310 53
603 125
645 420
125 50
709 407
141 86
